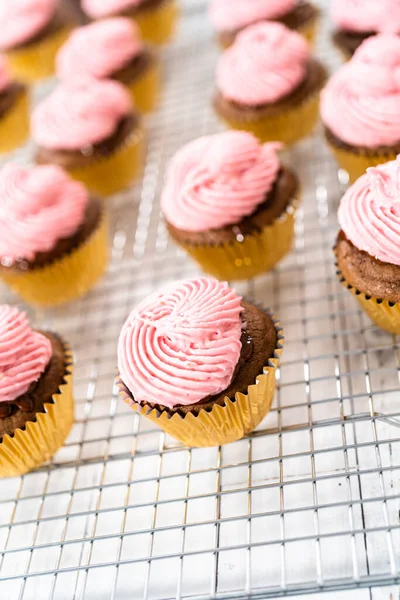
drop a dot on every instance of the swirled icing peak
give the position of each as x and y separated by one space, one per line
369 212
38 207
361 102
20 20
231 15
266 62
24 354
98 9
99 49
5 75
366 16
217 180
80 113
181 344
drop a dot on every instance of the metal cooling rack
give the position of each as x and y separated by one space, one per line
308 503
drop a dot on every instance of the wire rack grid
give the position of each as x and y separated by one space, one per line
308 503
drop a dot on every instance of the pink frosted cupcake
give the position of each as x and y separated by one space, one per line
156 18
229 17
356 20
112 49
360 106
269 84
53 237
88 127
14 110
32 31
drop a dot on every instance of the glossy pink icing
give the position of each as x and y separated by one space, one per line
5 75
366 16
361 102
266 62
21 20
99 49
98 9
231 15
38 207
181 344
369 212
24 354
217 180
80 113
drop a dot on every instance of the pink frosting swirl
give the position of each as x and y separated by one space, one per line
99 49
235 14
266 62
366 16
361 102
98 9
5 75
80 113
181 344
20 20
24 354
217 180
369 212
38 207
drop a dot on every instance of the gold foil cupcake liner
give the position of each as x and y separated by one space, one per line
223 423
116 171
36 61
382 312
157 25
30 447
67 278
251 254
287 126
145 90
357 162
14 124
310 30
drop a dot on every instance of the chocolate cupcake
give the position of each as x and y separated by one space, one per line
36 403
368 246
231 17
200 362
53 237
360 106
14 111
32 33
88 127
112 49
268 83
230 204
155 18
356 20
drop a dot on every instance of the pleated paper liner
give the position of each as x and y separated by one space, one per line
288 126
309 30
35 61
224 423
257 253
382 312
158 24
67 278
14 124
115 172
30 447
145 90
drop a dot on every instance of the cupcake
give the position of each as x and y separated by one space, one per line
368 245
88 127
229 17
32 31
156 18
200 362
112 49
14 111
36 403
230 204
360 106
53 237
357 20
268 83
